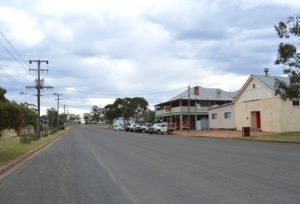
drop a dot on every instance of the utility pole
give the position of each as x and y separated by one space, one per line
39 84
65 113
189 104
57 119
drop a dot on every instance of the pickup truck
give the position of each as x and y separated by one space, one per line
161 128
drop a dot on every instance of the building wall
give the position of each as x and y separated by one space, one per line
270 114
261 91
221 122
257 97
290 117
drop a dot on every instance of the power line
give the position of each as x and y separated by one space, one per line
22 62
11 78
13 48
12 55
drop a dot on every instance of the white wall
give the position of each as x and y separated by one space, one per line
259 99
270 114
261 91
221 122
290 117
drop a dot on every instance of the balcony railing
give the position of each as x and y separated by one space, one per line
183 109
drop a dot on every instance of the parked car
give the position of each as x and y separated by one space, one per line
119 128
136 128
129 128
153 128
162 128
145 127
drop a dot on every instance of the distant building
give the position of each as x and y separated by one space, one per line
177 109
257 107
120 121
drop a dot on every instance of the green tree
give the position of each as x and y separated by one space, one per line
96 114
16 116
127 107
4 115
87 117
30 116
11 115
52 117
2 95
289 57
74 119
110 113
149 116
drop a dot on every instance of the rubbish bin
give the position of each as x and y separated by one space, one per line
245 131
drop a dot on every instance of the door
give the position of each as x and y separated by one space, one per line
258 124
204 124
198 124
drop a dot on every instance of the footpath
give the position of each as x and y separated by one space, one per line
217 133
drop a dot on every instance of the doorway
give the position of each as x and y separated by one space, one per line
255 120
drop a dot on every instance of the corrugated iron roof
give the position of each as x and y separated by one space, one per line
205 94
216 94
270 80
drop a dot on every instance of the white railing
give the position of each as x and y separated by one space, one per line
181 109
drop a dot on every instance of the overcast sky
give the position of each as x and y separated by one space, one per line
101 50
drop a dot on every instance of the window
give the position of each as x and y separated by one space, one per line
253 86
167 108
227 115
296 102
214 116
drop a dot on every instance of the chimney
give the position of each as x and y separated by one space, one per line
266 70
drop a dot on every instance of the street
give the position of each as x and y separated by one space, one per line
94 165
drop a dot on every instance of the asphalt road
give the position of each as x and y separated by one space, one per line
91 165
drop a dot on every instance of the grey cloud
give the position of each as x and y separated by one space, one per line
174 46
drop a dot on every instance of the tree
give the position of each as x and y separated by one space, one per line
149 116
290 58
96 114
110 113
11 115
52 119
129 108
16 117
29 113
87 117
2 93
74 119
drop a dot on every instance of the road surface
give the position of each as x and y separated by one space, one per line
93 165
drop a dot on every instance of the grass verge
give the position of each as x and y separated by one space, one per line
280 137
10 148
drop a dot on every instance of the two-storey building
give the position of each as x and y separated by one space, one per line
190 108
